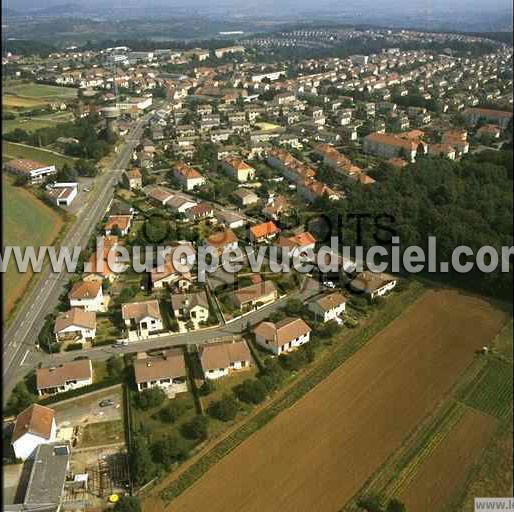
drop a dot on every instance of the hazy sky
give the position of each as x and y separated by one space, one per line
277 4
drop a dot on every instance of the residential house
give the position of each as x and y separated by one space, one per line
75 325
65 377
220 359
283 336
299 245
373 284
158 194
254 296
134 179
142 318
238 169
246 197
230 220
33 427
223 241
87 295
276 206
188 177
446 150
167 372
489 131
192 307
328 307
263 232
200 212
120 222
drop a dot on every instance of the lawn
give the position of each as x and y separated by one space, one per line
31 124
26 221
12 150
150 422
105 432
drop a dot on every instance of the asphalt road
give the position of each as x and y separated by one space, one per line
19 339
311 288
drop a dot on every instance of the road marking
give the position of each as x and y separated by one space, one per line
24 357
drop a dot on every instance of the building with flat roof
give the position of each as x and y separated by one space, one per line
36 172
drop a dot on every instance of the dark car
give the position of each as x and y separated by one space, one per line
106 403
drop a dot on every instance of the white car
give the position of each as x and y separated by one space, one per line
329 284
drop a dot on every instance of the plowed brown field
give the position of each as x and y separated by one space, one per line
445 470
317 455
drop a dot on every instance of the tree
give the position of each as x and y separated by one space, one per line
86 168
156 229
224 409
251 391
207 387
171 412
128 504
294 307
20 398
197 428
169 451
143 467
114 367
370 503
66 174
150 398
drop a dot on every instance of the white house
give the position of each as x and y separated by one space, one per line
328 307
300 245
284 336
75 324
373 284
167 372
142 318
192 307
63 194
65 377
34 426
87 295
238 169
188 177
220 359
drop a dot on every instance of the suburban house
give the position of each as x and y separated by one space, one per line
328 307
283 336
142 318
254 296
299 244
238 169
106 267
230 220
134 179
121 222
67 376
75 325
158 194
489 131
445 150
87 295
220 359
389 145
192 307
222 241
373 284
35 172
276 206
200 211
167 372
311 190
246 197
263 232
167 275
34 426
187 177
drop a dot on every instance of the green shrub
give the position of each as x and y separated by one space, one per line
73 346
224 409
251 391
150 398
197 428
171 412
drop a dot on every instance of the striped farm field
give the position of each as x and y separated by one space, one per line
317 454
491 390
441 475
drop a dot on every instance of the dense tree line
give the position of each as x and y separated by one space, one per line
460 203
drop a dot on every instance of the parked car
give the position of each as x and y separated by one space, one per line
106 403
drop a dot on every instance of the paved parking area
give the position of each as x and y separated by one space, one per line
84 410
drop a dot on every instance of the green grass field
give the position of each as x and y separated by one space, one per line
491 391
11 150
31 124
26 221
33 90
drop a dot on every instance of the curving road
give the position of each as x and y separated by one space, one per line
19 339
